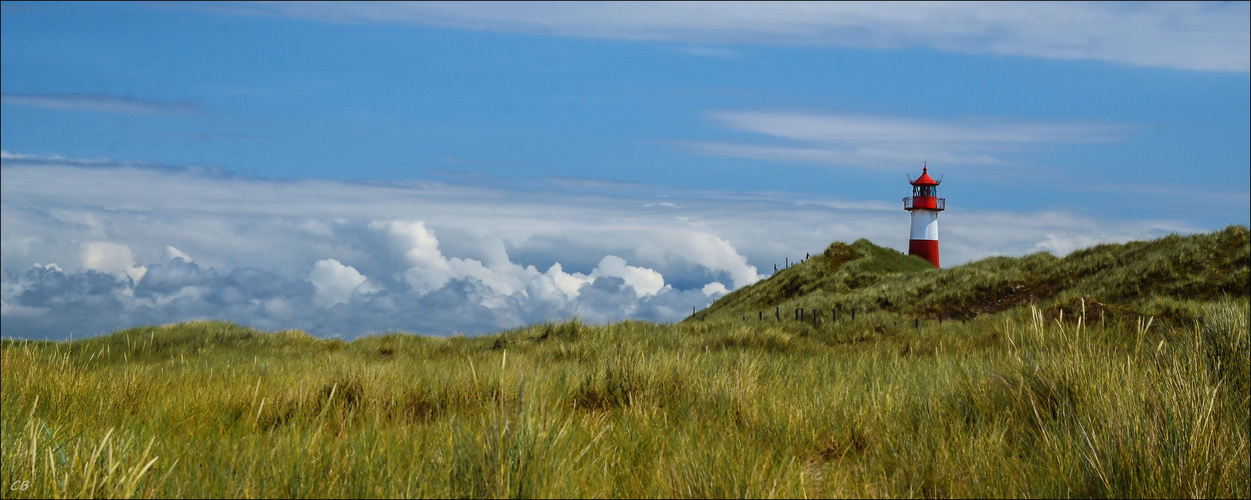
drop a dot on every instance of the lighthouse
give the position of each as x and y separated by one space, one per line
924 205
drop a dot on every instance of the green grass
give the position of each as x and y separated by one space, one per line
1010 402
1169 279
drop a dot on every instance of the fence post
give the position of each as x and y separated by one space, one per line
833 315
853 314
917 321
761 313
778 312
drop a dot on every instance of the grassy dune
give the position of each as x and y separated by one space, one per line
1004 398
1169 279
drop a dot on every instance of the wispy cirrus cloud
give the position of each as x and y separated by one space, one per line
102 103
876 156
840 128
886 141
1183 35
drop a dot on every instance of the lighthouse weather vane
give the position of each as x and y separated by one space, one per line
924 205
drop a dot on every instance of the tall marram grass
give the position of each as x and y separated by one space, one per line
1017 403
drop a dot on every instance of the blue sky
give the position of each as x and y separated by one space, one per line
525 162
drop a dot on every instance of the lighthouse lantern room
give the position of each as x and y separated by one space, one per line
924 205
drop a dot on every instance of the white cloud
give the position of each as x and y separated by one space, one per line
715 288
1183 35
717 52
567 284
172 253
887 141
644 281
428 270
459 259
100 102
869 129
708 250
431 270
850 155
336 282
112 258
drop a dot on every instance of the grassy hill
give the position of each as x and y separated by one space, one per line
1015 400
1168 278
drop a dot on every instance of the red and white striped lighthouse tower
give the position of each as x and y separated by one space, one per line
924 205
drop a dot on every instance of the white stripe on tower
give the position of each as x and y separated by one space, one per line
925 225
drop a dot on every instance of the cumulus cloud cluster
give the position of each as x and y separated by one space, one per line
91 246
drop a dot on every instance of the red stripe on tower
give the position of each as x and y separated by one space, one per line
924 205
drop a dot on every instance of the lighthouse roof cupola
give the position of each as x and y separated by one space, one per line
924 186
924 179
924 193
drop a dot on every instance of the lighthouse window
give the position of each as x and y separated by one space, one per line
922 190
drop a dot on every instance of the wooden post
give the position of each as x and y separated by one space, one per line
778 313
833 315
761 315
918 322
853 314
